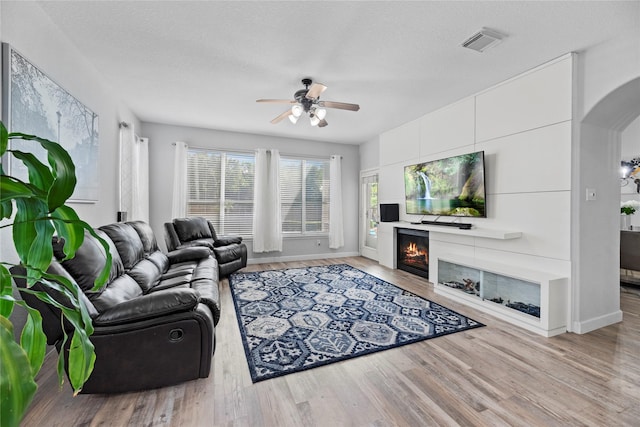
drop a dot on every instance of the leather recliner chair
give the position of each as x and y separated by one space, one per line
229 251
154 320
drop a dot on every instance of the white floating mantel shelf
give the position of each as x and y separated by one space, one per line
487 233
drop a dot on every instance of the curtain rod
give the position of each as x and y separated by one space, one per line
302 156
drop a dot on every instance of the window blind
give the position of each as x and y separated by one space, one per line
220 188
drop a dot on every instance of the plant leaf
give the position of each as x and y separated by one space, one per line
4 139
32 339
17 386
6 306
62 167
82 357
83 328
39 174
6 209
61 358
24 229
32 232
72 291
70 228
11 188
104 274
41 251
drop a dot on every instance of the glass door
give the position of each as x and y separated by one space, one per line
370 216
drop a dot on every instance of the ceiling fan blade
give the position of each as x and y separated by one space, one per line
315 90
277 101
322 123
339 105
281 116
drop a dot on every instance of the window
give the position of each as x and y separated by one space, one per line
221 189
304 190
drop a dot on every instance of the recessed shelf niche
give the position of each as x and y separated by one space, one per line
530 299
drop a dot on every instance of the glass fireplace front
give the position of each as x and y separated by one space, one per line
413 251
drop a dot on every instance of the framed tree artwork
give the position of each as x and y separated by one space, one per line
32 103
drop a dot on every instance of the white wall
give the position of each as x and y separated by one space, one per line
161 137
608 100
28 29
590 251
524 126
369 154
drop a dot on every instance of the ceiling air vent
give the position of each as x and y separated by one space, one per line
483 40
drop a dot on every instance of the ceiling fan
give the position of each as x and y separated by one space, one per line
307 101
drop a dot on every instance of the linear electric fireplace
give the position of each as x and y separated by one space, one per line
413 251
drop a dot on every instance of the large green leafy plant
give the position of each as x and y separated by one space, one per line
35 209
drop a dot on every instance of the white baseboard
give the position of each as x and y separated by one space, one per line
597 322
301 257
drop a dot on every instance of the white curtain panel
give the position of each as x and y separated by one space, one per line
127 142
140 181
267 217
133 186
179 201
336 228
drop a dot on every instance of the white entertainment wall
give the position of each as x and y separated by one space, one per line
524 126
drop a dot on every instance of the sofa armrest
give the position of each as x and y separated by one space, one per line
156 304
227 240
193 253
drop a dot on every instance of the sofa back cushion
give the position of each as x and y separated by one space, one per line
148 238
146 274
127 242
189 229
90 258
160 260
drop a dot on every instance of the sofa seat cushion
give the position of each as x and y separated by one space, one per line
172 282
206 243
119 290
202 276
227 240
181 269
194 253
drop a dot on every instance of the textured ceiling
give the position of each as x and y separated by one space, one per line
205 63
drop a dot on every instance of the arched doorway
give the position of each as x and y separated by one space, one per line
595 229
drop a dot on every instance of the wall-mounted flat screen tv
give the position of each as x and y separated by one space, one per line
450 187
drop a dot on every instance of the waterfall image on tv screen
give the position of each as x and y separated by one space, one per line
452 187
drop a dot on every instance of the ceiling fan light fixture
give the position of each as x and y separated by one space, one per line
297 110
307 101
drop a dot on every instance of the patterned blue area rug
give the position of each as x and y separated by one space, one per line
301 318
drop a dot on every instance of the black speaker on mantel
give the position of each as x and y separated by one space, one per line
389 212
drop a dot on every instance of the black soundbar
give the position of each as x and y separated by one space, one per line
461 225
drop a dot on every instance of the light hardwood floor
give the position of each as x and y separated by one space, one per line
495 375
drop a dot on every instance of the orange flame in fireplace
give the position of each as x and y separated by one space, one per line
412 251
